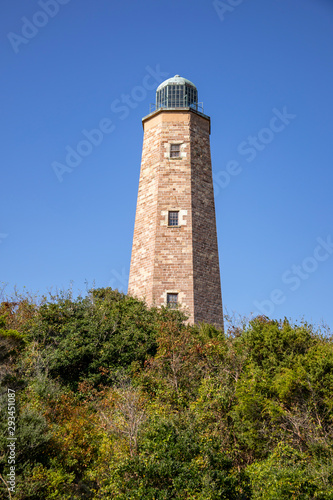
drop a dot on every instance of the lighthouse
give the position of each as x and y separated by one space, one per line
175 259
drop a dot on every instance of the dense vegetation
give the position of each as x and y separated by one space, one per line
117 401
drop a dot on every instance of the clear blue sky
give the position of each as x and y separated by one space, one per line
251 63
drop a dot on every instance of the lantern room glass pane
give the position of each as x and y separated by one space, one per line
177 96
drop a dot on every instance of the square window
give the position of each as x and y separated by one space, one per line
172 300
174 150
173 218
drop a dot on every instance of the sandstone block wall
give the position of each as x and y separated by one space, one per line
181 259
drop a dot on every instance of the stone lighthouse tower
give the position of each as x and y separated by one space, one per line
175 255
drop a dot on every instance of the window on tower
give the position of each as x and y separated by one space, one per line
173 218
174 150
172 300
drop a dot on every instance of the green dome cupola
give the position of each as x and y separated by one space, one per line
176 92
